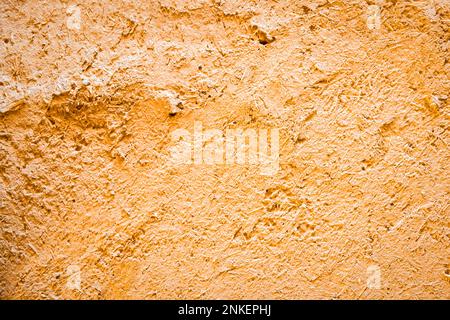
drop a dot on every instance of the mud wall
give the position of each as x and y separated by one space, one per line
93 207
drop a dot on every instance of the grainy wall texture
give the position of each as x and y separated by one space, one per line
92 207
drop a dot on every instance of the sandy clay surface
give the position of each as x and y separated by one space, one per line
91 207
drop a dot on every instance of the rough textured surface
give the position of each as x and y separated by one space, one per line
358 89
